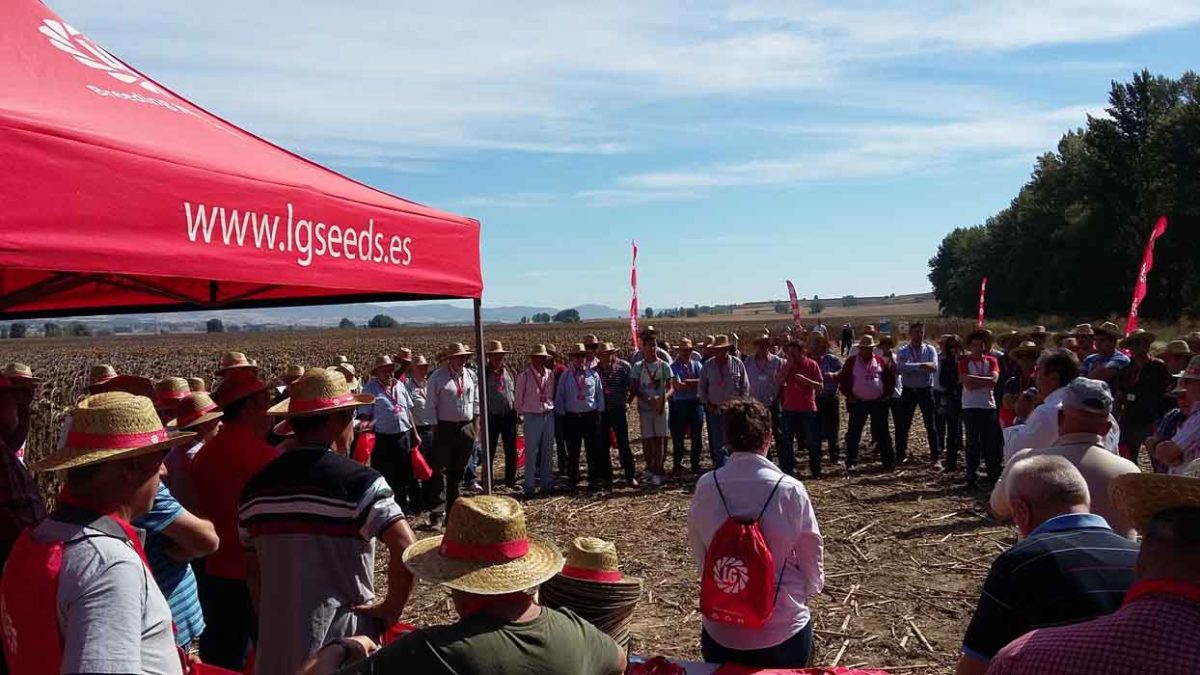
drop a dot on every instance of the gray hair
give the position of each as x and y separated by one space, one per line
1047 482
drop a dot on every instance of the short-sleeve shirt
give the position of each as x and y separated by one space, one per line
112 616
1070 569
175 579
1117 361
829 364
764 377
416 392
651 380
392 406
721 382
983 398
681 371
450 397
500 392
557 642
798 397
617 379
311 517
1187 437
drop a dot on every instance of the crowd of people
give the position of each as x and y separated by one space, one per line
237 528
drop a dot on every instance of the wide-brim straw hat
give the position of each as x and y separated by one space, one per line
539 350
383 362
869 328
983 334
319 392
197 384
1038 331
606 348
237 385
867 341
647 331
346 369
1083 329
1139 496
292 372
170 391
1109 329
1192 372
1177 347
486 550
405 355
234 361
108 427
194 410
592 559
456 349
100 374
420 360
340 359
720 342
1138 335
685 345
495 347
130 384
590 341
578 350
20 374
1007 336
1025 349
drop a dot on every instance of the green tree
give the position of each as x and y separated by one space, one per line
542 317
849 301
77 329
346 323
18 330
214 326
382 321
51 329
524 320
567 316
816 306
649 313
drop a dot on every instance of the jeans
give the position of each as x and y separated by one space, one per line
910 399
392 458
539 450
794 652
876 411
981 424
614 421
504 428
453 443
231 624
828 424
949 426
799 426
684 418
716 439
583 429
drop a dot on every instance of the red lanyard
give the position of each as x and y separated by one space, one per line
499 380
460 384
721 369
580 382
540 381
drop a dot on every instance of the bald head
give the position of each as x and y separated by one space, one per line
1043 487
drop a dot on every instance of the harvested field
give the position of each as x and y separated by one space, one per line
905 553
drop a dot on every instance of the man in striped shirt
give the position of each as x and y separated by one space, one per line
1070 566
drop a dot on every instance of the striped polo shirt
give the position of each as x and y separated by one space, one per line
310 517
175 579
1071 568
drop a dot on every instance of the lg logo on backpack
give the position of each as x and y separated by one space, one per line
730 575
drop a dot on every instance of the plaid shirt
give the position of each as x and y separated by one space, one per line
1154 632
18 493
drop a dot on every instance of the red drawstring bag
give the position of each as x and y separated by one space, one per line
396 630
738 584
420 468
364 445
520 451
735 669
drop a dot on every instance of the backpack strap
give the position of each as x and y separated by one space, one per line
769 497
779 580
722 494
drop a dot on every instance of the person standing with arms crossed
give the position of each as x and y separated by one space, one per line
917 364
721 379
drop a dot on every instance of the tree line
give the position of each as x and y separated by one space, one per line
1071 241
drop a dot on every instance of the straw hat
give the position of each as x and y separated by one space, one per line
195 410
234 361
1026 349
456 349
685 345
578 350
100 374
591 586
1082 329
648 331
1139 496
420 360
708 340
237 385
1109 329
405 355
1138 335
981 334
19 374
867 341
539 350
1192 372
292 373
869 329
170 391
606 348
553 349
1038 331
319 392
486 550
1008 337
887 342
340 359
284 428
590 341
197 384
383 362
346 369
108 427
1176 348
495 347
720 342
592 559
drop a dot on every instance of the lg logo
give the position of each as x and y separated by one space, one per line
71 41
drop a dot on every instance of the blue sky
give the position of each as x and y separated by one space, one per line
740 143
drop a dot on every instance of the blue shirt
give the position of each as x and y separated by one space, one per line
568 396
829 364
391 408
692 373
175 579
1117 360
912 375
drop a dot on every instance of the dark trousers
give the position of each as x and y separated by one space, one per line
392 457
793 652
877 412
799 428
614 421
583 429
686 418
828 424
451 450
560 445
981 425
504 428
912 398
230 622
949 426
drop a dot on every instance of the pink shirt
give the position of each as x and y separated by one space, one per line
534 394
868 379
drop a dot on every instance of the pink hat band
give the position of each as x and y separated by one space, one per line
80 439
312 404
184 421
495 553
590 574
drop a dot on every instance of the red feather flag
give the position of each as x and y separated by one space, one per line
633 304
795 304
1139 288
982 295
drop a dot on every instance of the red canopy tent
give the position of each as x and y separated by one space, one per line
119 196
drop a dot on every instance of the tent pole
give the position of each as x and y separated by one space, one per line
481 358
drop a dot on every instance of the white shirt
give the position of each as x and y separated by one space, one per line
1041 428
1187 437
790 528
